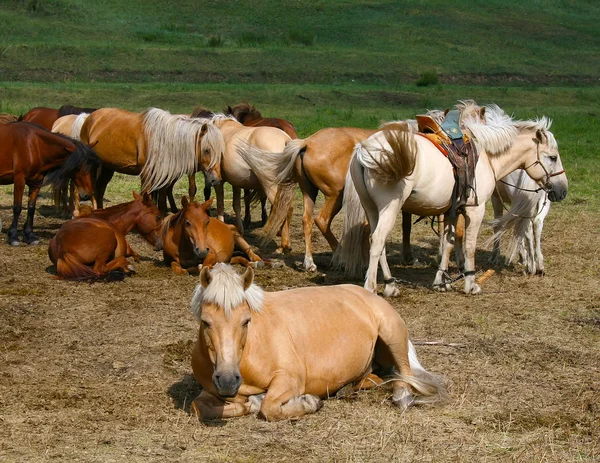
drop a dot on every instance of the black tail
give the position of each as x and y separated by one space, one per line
82 158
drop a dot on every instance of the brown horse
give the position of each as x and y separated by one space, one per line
191 239
280 353
31 155
159 146
94 246
46 117
250 117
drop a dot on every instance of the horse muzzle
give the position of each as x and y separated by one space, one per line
227 383
85 197
201 253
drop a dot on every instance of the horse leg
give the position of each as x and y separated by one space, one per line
309 195
407 256
247 208
244 246
458 242
208 407
103 178
497 205
207 191
385 224
220 200
264 216
237 208
331 207
538 225
171 198
129 252
28 236
18 190
103 266
192 188
178 269
473 219
447 237
284 399
285 229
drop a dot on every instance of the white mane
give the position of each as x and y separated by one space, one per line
226 290
497 134
172 147
77 124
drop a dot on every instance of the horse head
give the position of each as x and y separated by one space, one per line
224 303
84 181
195 219
148 220
547 169
211 150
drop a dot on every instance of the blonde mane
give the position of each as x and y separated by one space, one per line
226 290
77 124
172 147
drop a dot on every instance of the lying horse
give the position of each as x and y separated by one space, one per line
192 238
94 246
280 353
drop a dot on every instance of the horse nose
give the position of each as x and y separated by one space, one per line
85 197
227 384
201 253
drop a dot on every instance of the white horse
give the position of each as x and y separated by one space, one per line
393 171
530 206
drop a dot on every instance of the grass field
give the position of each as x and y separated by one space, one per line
102 372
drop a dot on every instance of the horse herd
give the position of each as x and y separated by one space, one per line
374 174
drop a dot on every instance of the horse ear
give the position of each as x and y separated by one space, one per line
248 278
136 196
205 276
147 198
229 110
184 201
482 113
203 130
207 204
446 111
539 136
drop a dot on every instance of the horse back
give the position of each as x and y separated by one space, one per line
42 116
280 124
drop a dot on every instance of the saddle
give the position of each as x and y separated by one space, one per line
460 151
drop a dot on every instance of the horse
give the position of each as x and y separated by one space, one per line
394 170
33 156
46 117
70 125
191 238
159 146
246 165
250 117
525 217
280 353
94 246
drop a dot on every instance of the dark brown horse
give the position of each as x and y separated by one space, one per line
94 246
192 238
33 156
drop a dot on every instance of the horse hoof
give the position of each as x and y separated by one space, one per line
391 291
403 401
15 243
257 264
311 268
254 403
34 242
475 289
131 268
312 402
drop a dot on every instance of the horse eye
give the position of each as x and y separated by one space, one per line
553 158
187 223
158 218
205 324
246 323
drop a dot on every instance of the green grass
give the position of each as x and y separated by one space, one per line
318 41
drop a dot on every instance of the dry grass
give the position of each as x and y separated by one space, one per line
102 372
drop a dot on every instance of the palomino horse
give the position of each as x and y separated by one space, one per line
70 125
246 165
191 238
399 170
250 117
95 246
31 155
527 221
156 144
280 353
318 163
47 116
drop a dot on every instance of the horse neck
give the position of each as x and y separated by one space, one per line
522 153
123 216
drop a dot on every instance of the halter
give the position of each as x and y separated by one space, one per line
547 187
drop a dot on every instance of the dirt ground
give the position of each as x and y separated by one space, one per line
101 372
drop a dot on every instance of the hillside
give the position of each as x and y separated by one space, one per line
314 41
